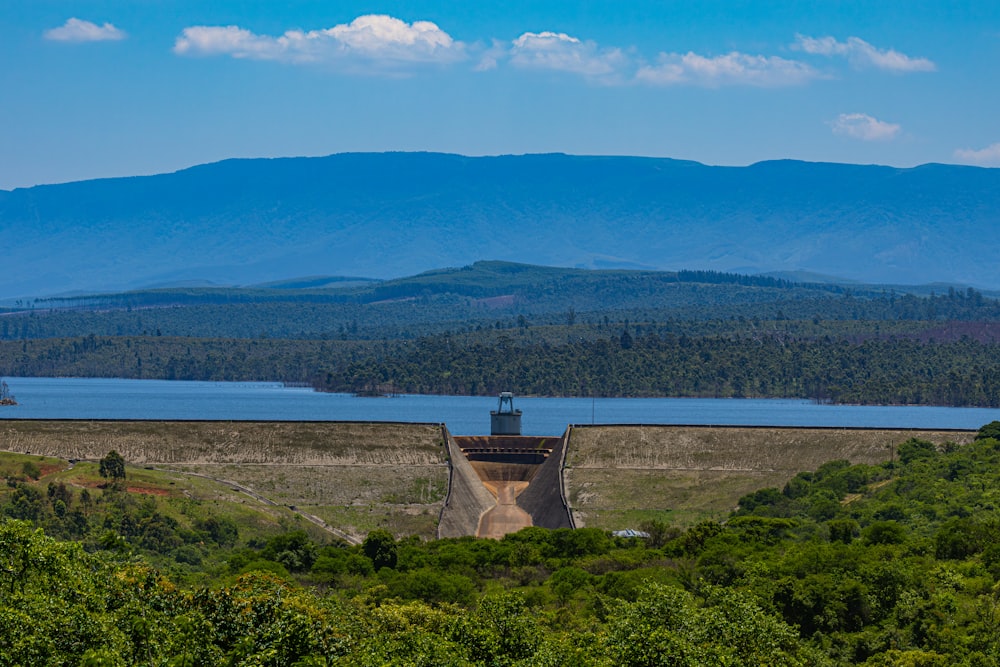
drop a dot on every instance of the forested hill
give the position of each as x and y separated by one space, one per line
385 215
498 326
481 294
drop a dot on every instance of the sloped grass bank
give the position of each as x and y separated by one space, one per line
619 476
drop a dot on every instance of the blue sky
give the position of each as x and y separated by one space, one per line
95 88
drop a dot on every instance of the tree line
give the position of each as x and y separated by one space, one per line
875 371
421 309
630 362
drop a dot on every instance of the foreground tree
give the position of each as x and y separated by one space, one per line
380 547
113 466
669 627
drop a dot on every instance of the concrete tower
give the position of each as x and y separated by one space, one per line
505 420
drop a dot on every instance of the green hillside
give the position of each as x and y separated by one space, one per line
877 565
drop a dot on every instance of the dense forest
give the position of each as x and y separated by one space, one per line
496 326
617 360
875 371
878 565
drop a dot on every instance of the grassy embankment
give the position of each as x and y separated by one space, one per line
619 476
355 477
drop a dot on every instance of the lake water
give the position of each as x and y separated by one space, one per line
91 398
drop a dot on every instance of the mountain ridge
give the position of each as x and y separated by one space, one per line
383 215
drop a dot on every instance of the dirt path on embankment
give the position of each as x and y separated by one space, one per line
311 518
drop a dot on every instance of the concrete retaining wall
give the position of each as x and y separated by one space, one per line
467 499
543 499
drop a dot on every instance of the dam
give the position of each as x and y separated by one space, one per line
505 481
417 478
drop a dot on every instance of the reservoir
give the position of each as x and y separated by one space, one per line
95 398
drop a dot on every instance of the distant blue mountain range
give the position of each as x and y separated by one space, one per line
394 214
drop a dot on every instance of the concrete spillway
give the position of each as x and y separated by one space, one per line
501 484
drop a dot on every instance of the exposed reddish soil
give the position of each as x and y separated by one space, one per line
397 300
983 332
496 301
148 491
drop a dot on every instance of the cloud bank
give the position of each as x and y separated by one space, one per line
373 40
380 43
733 68
862 54
983 156
77 30
864 127
558 51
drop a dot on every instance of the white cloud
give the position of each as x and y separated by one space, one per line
368 41
561 52
76 30
984 156
864 127
862 54
489 58
231 40
730 69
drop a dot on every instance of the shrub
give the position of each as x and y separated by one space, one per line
884 532
31 469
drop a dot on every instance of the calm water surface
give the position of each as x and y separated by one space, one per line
92 398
